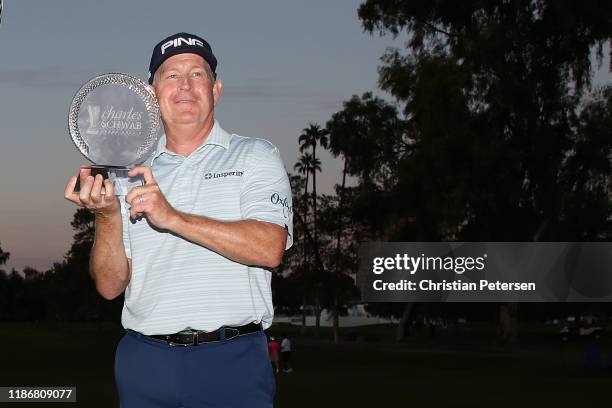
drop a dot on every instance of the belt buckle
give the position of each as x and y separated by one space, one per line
236 333
193 342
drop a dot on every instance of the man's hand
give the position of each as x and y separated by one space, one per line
108 264
150 201
96 194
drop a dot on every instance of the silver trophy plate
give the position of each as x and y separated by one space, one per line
114 122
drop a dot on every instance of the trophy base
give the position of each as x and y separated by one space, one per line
122 183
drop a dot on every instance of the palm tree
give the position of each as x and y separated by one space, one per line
310 137
305 165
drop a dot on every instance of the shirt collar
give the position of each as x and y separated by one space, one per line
217 136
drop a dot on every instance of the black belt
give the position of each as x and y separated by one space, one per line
195 337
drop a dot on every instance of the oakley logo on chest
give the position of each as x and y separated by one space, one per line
179 41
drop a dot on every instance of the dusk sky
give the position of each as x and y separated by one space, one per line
283 63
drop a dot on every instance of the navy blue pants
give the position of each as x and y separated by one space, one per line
230 373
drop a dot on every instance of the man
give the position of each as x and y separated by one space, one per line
189 248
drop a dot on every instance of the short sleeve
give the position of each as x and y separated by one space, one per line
266 193
125 216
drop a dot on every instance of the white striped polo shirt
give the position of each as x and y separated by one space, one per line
177 284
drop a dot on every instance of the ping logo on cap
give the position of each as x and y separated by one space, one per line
177 42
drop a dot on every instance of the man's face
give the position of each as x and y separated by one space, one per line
186 93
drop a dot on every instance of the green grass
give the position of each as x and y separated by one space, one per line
64 355
376 374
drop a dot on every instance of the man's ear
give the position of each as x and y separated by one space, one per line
217 90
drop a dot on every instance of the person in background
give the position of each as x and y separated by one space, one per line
273 348
285 348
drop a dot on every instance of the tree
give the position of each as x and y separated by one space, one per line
5 296
5 289
369 135
372 138
586 178
312 136
305 165
340 255
74 293
491 92
298 262
4 256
